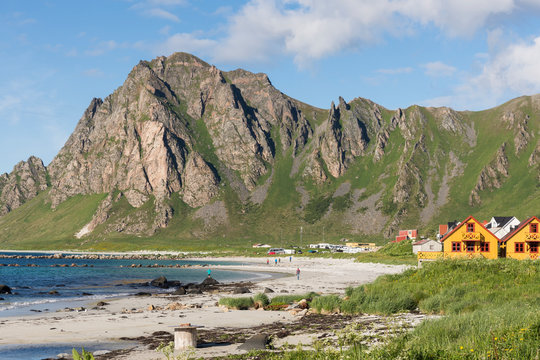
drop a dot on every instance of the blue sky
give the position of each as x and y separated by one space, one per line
57 55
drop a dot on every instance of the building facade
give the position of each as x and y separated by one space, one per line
524 241
470 239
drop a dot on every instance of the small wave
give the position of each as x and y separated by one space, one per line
22 304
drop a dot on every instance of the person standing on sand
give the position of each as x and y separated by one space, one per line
275 261
290 258
209 272
297 273
267 261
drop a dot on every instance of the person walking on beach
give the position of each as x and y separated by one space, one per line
297 273
267 261
290 258
275 261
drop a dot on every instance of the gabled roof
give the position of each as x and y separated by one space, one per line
463 223
502 220
423 241
518 228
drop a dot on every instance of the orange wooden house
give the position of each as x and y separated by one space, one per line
524 241
470 239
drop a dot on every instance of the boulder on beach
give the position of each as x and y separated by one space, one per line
256 342
209 281
4 289
160 282
180 291
241 290
268 291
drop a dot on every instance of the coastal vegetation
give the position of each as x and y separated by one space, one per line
480 309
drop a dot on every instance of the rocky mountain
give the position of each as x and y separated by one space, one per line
183 149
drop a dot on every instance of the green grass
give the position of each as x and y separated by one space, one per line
237 303
261 299
391 253
289 299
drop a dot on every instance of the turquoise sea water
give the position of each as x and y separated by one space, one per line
90 281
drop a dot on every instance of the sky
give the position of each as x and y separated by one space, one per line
56 55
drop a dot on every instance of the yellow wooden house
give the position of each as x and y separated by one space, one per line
524 241
470 239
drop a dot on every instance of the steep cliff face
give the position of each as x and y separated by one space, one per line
184 145
27 179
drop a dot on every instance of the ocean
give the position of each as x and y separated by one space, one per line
46 284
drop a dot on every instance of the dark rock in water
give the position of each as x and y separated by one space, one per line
60 285
241 290
160 282
53 292
102 303
180 291
86 294
256 342
209 281
143 294
1 298
4 289
268 290
194 291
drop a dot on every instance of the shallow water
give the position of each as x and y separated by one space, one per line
43 351
100 279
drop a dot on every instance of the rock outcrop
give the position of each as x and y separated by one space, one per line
491 177
27 179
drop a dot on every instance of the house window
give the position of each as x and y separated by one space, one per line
470 227
520 247
470 247
534 247
456 247
484 247
533 228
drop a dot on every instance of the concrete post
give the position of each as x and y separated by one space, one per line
185 337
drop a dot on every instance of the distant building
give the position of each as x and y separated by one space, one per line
426 245
500 226
524 241
445 228
406 235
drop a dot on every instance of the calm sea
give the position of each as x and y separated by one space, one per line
89 281
93 279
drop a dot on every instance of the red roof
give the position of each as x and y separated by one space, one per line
464 222
519 227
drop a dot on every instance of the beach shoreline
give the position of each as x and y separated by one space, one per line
137 317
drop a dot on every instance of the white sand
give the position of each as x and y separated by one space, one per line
119 320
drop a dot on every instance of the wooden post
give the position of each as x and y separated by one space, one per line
185 337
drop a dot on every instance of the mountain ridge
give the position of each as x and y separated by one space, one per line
183 145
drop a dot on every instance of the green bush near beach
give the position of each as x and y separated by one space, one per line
238 303
261 300
289 299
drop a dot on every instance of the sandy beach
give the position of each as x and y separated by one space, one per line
137 317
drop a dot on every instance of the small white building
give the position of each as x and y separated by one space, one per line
426 245
502 225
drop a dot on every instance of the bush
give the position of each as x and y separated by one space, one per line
329 303
289 299
261 300
240 303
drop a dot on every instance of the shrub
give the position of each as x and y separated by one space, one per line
239 303
289 299
329 303
261 300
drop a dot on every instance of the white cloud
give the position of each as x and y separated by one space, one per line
102 48
403 70
511 71
186 43
156 8
438 69
312 29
